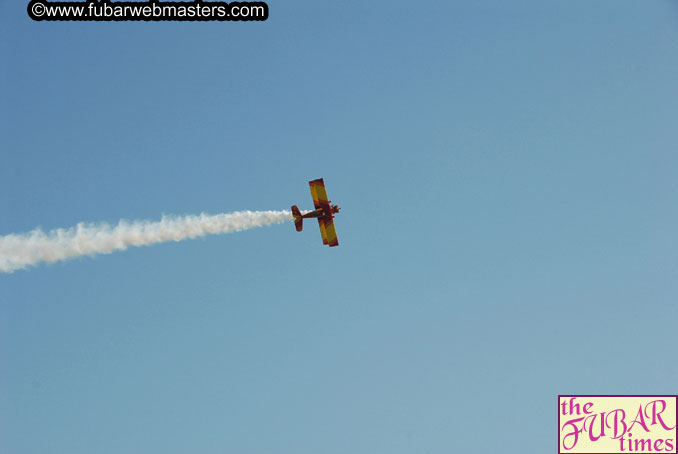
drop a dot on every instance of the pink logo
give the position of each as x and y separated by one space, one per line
617 424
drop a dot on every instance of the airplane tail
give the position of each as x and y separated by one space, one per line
298 220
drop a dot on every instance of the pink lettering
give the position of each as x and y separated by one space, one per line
592 419
618 418
640 421
656 415
574 433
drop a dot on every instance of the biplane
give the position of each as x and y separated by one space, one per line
324 212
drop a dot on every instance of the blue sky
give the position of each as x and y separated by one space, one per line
507 178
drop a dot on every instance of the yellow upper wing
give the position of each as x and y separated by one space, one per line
318 193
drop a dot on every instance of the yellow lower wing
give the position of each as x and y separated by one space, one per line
330 234
323 232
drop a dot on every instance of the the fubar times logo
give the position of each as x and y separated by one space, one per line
617 424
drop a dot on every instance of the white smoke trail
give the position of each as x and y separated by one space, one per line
19 251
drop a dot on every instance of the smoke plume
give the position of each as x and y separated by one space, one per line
19 251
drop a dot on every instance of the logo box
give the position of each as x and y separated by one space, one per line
617 424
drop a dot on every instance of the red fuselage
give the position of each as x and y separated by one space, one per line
322 213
